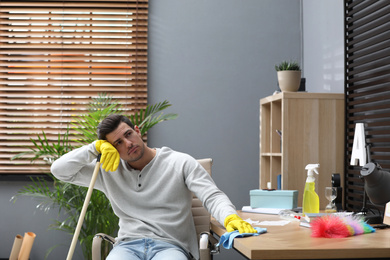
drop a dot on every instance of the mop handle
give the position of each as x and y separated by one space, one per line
84 209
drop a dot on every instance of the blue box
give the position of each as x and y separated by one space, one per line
275 199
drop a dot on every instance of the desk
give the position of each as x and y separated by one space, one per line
295 242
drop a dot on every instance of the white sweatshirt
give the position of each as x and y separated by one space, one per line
154 202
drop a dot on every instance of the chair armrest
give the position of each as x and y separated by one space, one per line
207 246
97 244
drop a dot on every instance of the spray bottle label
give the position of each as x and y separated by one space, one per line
311 203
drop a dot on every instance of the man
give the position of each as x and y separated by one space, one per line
149 190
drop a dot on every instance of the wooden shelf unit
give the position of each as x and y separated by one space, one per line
312 128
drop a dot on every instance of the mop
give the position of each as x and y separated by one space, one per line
84 209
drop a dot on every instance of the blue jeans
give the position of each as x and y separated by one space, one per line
146 249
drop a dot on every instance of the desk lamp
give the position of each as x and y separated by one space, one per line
377 183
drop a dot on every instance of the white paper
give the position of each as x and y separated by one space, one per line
274 223
261 210
28 241
267 223
252 222
16 247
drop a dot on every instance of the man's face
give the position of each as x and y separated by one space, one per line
128 142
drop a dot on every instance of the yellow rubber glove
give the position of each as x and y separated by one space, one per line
110 156
234 222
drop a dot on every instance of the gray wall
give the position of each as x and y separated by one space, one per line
213 60
23 216
323 45
214 64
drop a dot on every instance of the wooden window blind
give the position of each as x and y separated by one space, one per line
367 88
55 56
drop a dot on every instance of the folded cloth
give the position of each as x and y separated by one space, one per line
227 238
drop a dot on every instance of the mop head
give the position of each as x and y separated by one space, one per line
337 226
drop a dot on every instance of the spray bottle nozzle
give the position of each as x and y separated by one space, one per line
312 168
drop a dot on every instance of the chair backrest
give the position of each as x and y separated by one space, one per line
201 216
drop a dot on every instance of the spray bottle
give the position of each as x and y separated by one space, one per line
311 202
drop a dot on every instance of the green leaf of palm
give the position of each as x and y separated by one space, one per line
145 119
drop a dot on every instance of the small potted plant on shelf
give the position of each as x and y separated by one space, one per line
289 76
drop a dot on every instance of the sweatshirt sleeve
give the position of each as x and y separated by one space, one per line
213 199
76 166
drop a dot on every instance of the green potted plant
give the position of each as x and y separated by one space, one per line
289 76
69 198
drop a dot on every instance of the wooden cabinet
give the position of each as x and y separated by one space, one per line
312 131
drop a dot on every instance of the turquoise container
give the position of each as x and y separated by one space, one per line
275 199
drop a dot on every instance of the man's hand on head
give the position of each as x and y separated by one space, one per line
110 156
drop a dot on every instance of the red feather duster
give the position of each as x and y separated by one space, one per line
336 226
329 226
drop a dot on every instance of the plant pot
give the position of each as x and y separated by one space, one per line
289 80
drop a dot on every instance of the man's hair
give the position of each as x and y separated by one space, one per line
110 123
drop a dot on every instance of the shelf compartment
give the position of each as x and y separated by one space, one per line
270 165
312 128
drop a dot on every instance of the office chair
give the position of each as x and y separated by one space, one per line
201 220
